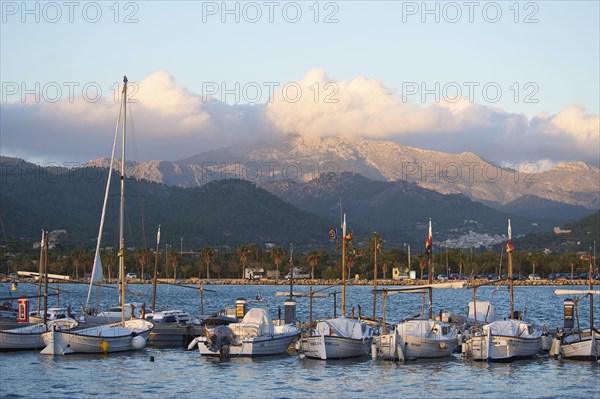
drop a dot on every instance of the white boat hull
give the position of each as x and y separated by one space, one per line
108 338
333 347
581 347
256 346
30 337
500 347
389 345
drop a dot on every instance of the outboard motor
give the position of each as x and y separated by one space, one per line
290 311
221 336
568 312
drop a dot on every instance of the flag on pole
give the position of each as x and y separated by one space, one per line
509 247
428 243
121 250
333 234
348 236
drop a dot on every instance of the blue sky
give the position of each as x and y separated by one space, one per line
543 56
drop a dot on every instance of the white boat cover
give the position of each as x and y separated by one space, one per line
256 322
512 328
485 312
418 328
343 327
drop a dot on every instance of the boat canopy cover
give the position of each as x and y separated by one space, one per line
343 327
485 312
255 318
512 328
418 328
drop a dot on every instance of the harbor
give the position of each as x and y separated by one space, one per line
158 372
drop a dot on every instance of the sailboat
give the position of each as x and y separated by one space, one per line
115 337
504 340
573 342
339 338
419 338
30 336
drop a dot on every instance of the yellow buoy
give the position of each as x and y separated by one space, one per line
104 346
14 287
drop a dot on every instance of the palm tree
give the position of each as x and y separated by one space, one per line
277 255
77 257
384 269
313 259
207 254
142 258
422 259
174 258
243 253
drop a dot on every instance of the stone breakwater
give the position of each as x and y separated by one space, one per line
321 282
405 282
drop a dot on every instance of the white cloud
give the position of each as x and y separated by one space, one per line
172 122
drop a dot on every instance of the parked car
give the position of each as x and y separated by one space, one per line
534 277
146 277
584 276
552 276
131 275
13 275
442 276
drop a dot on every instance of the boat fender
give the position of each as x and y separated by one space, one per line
555 348
193 344
104 346
442 345
138 342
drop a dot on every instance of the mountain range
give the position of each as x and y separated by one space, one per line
568 189
230 211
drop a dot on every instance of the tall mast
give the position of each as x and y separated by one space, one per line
343 265
510 273
291 271
122 204
591 287
41 270
430 267
375 274
154 280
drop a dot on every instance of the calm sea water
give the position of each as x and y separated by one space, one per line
177 373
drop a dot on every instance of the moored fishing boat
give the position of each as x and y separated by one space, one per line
338 338
255 335
504 340
30 337
573 342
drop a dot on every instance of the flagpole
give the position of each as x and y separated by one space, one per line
155 269
374 274
430 277
344 266
510 274
42 245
